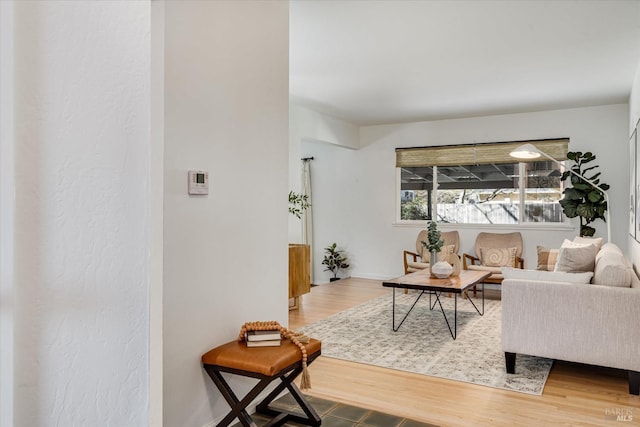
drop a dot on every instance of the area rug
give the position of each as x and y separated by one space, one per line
423 344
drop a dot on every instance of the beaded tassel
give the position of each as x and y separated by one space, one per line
297 338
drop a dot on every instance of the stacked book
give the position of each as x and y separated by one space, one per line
262 338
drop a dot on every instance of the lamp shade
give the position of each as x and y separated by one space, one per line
526 151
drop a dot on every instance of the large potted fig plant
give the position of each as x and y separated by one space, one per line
583 200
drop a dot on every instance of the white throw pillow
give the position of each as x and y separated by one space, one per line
576 257
546 276
596 241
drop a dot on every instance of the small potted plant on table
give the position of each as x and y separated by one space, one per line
434 243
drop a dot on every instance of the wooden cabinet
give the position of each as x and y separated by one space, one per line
299 270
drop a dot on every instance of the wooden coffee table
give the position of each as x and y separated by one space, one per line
423 282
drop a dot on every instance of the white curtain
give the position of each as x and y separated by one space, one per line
307 216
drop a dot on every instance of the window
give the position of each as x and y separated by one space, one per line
480 184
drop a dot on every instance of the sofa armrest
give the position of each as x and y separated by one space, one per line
582 323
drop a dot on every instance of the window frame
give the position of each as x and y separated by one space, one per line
522 180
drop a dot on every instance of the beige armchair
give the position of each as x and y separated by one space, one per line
494 251
419 260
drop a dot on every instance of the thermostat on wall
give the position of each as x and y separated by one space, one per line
198 182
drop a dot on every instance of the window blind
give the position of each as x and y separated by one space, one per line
477 154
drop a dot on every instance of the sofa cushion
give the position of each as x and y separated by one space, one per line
498 257
596 241
609 248
635 281
546 276
547 258
612 268
576 257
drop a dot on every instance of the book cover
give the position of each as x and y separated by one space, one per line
267 343
262 335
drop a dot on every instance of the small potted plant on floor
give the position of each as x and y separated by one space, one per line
334 260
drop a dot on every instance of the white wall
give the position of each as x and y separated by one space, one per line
7 217
634 116
156 227
307 125
81 213
354 191
226 111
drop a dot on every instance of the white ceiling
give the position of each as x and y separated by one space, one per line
373 61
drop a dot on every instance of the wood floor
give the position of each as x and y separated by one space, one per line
576 395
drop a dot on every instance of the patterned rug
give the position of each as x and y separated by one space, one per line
424 345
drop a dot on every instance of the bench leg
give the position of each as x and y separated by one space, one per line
238 407
281 417
634 382
510 361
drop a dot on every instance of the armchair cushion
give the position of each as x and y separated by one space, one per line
445 251
498 257
416 266
498 240
494 270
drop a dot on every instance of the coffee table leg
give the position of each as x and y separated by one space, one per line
393 310
455 316
453 331
481 313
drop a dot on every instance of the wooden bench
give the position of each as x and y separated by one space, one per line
266 364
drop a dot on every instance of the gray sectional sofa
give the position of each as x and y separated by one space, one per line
595 322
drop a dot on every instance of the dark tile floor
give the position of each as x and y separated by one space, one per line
335 414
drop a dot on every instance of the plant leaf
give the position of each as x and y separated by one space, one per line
582 186
586 210
572 194
595 196
569 207
587 231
